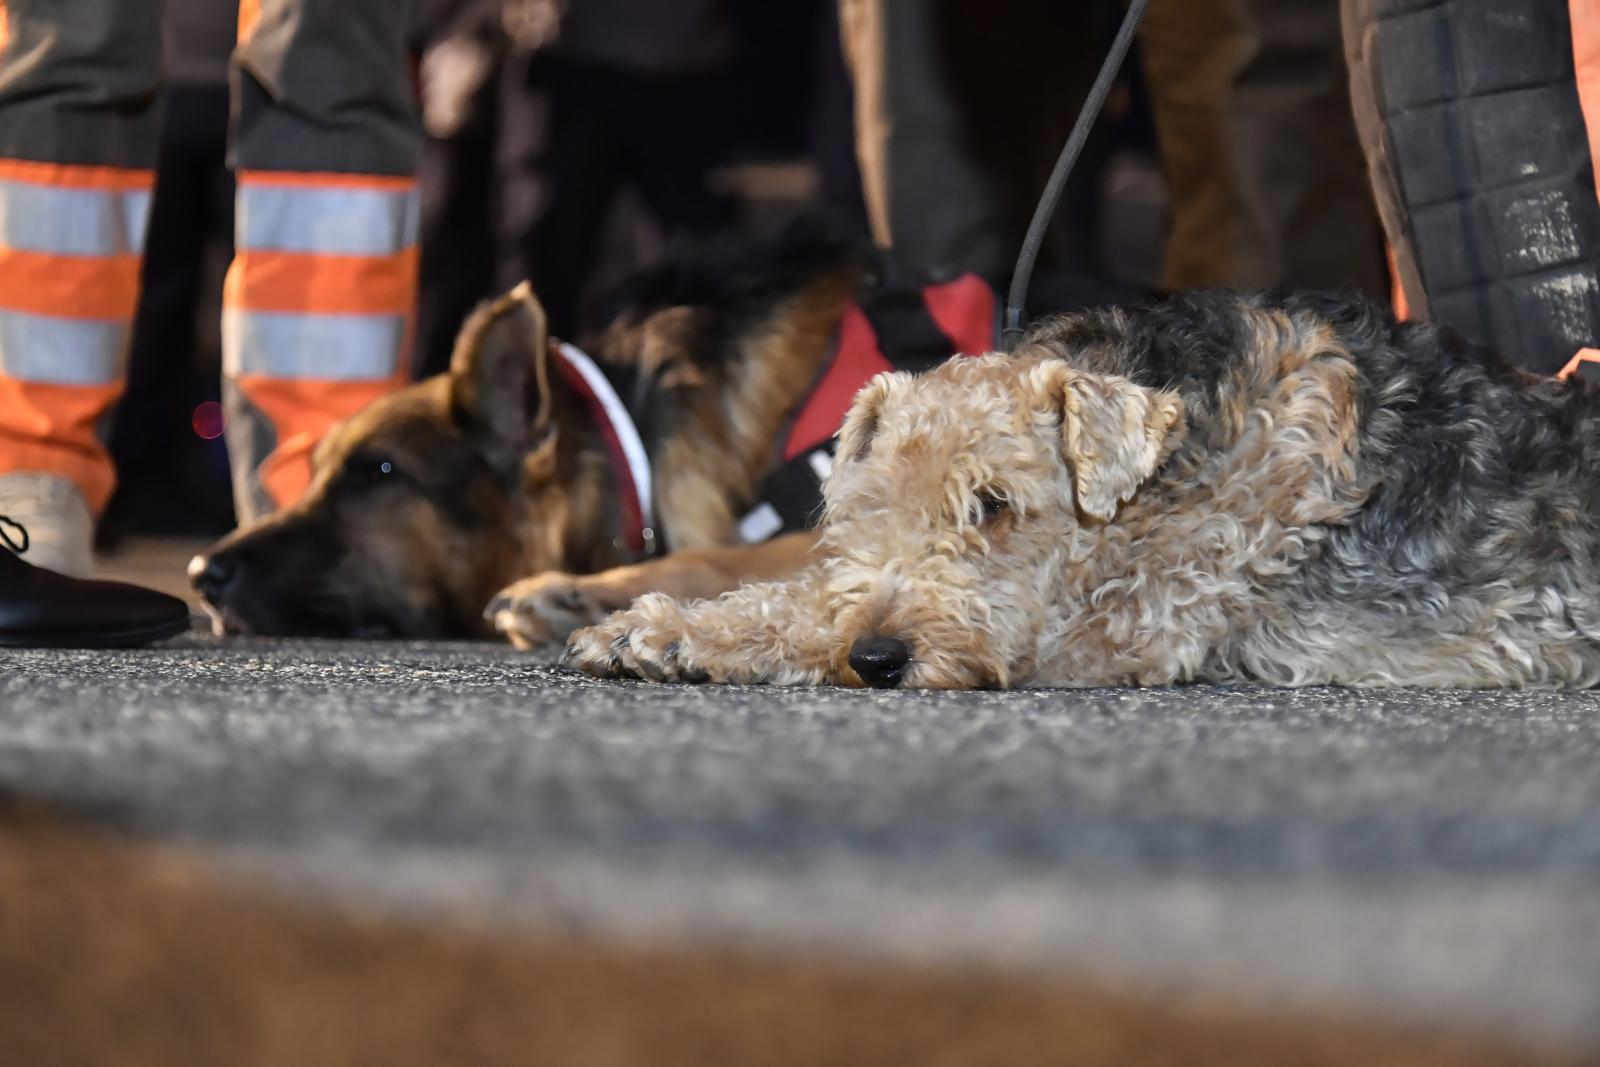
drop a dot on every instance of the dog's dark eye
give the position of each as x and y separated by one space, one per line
992 505
365 472
379 468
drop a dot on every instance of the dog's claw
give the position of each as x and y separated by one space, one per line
652 671
634 645
664 671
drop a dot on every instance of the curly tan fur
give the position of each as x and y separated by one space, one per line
1293 490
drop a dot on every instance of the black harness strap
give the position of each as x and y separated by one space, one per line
907 334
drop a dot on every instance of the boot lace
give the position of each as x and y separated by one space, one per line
18 542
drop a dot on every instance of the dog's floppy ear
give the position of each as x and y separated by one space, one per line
1114 433
861 421
500 378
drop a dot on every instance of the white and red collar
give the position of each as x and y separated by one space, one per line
629 459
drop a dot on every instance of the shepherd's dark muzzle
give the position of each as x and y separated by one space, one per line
273 579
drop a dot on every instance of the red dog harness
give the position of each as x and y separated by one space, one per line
894 325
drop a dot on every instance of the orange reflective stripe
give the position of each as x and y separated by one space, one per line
5 26
1586 70
71 176
249 17
69 287
306 283
326 180
52 428
301 412
315 289
1402 310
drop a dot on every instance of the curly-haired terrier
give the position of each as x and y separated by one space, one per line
1290 489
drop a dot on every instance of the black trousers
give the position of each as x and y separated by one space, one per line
610 129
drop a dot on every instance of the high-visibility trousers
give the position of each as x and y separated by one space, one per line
319 304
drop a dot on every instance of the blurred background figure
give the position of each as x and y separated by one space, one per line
573 140
961 110
638 97
610 97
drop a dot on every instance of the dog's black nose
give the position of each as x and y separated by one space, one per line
881 661
212 575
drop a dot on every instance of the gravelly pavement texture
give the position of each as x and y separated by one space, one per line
1422 856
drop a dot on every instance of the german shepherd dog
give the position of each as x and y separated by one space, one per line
433 500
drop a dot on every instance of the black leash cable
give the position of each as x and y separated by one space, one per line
17 543
1012 329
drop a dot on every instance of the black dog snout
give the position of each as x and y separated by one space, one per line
213 575
880 661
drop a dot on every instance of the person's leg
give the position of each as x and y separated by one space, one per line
954 147
578 171
78 141
319 308
833 129
862 40
153 433
459 209
927 196
1259 147
1474 120
679 138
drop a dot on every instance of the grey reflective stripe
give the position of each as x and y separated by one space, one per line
334 221
51 351
251 439
72 222
136 212
345 348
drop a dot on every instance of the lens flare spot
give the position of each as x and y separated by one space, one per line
208 420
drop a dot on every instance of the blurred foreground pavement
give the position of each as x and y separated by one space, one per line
744 875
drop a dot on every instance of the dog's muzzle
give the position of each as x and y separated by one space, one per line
212 576
880 661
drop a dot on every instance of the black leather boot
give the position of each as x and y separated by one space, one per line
43 609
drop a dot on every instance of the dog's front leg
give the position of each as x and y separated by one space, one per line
546 609
772 632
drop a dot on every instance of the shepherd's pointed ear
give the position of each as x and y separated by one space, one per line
500 377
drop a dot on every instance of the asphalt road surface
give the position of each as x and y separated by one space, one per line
1429 857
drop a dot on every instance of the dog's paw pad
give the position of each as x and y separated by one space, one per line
601 650
543 611
635 644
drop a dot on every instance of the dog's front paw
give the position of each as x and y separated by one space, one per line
543 611
649 640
